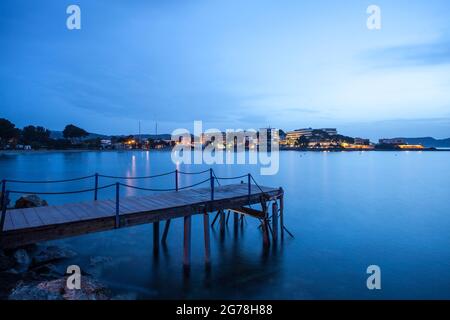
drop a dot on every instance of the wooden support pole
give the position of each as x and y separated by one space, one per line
282 212
165 232
265 229
228 216
275 220
236 220
215 218
265 226
155 237
222 220
207 238
187 242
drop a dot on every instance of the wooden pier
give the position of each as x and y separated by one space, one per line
31 225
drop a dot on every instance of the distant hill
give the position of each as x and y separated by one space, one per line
429 142
59 135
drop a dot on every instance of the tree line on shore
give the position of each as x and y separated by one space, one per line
73 137
38 137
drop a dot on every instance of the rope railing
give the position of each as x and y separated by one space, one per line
136 178
212 179
214 174
49 181
256 184
193 173
105 176
231 178
163 190
62 192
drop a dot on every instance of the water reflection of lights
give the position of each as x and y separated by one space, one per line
131 172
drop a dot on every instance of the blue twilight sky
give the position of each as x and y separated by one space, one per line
230 63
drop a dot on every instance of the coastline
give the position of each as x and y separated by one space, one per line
47 151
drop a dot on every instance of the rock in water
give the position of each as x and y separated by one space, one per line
33 292
57 290
30 201
51 253
91 289
23 260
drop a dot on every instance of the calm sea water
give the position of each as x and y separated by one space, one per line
346 210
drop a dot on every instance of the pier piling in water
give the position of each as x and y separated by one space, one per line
265 224
222 221
207 238
165 232
156 237
187 242
282 212
275 220
236 220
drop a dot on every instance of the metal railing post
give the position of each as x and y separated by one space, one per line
3 192
176 179
211 177
96 187
5 197
249 178
117 225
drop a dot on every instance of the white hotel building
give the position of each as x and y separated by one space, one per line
293 136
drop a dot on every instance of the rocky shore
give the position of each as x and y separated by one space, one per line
32 273
38 272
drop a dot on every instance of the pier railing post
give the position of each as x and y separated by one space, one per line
117 224
5 197
167 225
211 178
96 187
3 192
249 178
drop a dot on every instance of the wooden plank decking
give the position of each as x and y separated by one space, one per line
25 226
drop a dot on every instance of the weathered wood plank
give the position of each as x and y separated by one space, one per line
43 216
51 214
33 218
9 224
66 214
19 219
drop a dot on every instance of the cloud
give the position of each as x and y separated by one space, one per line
295 110
419 54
